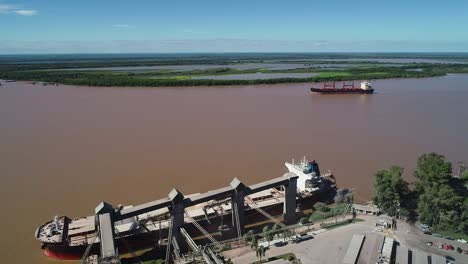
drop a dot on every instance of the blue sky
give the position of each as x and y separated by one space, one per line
61 26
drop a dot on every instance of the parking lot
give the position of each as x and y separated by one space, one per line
412 237
330 247
327 248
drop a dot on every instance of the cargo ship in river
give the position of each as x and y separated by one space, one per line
69 239
346 88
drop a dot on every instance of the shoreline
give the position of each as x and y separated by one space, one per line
262 82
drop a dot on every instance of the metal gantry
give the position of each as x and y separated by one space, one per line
237 192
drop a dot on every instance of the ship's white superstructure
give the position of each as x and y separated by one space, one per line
310 178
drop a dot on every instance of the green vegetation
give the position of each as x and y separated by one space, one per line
260 251
440 200
443 200
390 189
340 223
323 212
288 256
72 72
268 234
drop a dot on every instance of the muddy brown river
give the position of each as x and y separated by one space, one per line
64 149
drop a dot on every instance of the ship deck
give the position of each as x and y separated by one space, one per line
82 230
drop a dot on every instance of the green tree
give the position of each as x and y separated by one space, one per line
463 225
432 169
248 236
464 176
260 252
390 189
286 234
275 229
254 243
442 200
319 206
267 234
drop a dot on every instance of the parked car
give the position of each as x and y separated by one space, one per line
449 238
462 241
437 235
429 243
301 238
449 260
424 226
280 244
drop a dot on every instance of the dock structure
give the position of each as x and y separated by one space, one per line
176 203
105 218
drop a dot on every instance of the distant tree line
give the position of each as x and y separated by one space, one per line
111 78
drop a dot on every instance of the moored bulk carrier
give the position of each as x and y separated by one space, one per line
346 88
140 227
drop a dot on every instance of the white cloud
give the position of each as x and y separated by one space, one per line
4 9
25 12
125 26
12 9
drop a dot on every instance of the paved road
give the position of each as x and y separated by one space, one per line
412 237
331 246
326 248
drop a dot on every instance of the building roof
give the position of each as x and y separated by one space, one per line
365 207
353 249
387 247
402 255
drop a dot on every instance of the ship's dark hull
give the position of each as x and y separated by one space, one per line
144 240
340 91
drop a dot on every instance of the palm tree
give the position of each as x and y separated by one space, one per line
275 229
254 243
286 234
267 234
261 252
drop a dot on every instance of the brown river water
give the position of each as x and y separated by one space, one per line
64 149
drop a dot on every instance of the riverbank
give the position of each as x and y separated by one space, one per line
224 69
222 76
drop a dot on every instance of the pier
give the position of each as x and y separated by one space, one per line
176 204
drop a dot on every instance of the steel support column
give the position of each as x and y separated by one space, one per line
289 208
